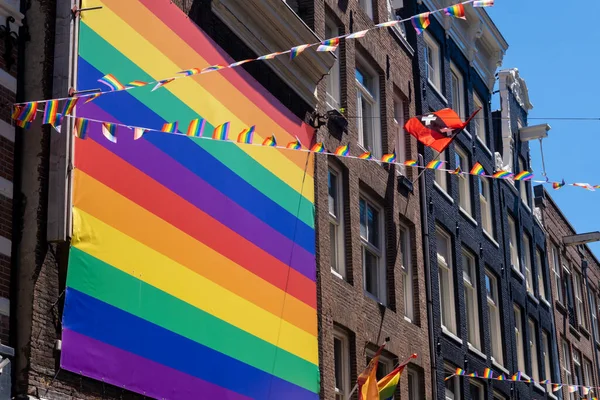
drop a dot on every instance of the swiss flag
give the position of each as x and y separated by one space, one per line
437 129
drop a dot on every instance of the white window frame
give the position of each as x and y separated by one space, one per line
577 366
333 97
594 313
566 366
446 277
479 121
519 340
533 351
556 267
527 263
523 189
342 392
367 7
480 389
434 68
381 295
464 182
472 304
454 381
441 177
547 360
499 396
407 273
401 137
364 94
458 91
494 320
485 201
540 275
588 377
579 302
414 386
512 244
336 225
385 362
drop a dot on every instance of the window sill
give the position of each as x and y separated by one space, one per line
476 351
526 206
466 132
467 216
443 192
550 395
408 320
574 331
337 274
545 302
584 331
491 239
539 387
484 146
451 335
532 297
560 307
499 366
437 91
517 272
374 298
525 377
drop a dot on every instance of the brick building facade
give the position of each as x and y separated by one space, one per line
574 277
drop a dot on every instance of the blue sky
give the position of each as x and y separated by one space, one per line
557 56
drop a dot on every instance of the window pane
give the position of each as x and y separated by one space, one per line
333 195
339 367
363 218
373 226
371 272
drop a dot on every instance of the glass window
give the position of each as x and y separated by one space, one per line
519 338
523 184
547 360
367 6
367 107
414 386
470 286
333 90
336 222
452 385
566 367
495 327
588 377
594 312
399 108
540 275
384 367
533 351
577 369
341 356
580 307
477 390
512 244
408 273
464 185
446 280
458 91
441 177
527 262
479 121
433 60
557 275
371 226
485 200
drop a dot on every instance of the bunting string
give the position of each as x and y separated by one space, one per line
519 377
420 22
221 133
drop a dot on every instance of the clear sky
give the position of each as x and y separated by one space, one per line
558 57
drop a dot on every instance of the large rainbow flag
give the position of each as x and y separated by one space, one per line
192 268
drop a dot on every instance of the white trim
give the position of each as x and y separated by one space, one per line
451 335
7 80
499 366
442 191
7 131
11 9
467 216
5 246
491 239
4 306
6 188
345 344
337 220
474 350
372 97
365 246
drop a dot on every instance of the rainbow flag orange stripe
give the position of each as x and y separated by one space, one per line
366 156
457 11
221 132
523 176
247 135
342 151
270 141
196 127
477 169
318 147
170 127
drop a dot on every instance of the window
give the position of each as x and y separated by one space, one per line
519 338
384 367
470 285
594 312
568 281
367 6
446 280
336 222
512 244
414 385
577 370
333 92
547 361
441 177
527 263
341 357
557 275
588 378
540 275
524 184
452 385
367 107
485 200
464 190
566 366
477 391
495 327
533 351
499 396
458 91
399 108
580 307
433 60
371 227
407 270
479 120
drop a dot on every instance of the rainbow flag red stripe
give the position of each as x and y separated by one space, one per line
221 132
247 135
342 151
196 127
457 11
170 127
318 147
270 141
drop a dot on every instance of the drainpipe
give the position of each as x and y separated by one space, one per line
426 260
584 267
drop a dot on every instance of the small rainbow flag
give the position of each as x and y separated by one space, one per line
27 112
477 169
170 127
212 68
366 156
556 387
501 377
318 148
558 185
162 83
109 131
196 127
483 3
516 377
295 145
112 82
23 124
545 382
295 51
473 374
190 72
221 132
92 97
81 125
456 171
357 35
420 22
137 83
387 24
411 163
595 186
457 10
523 176
269 56
459 372
238 63
502 175
435 164
247 135
138 133
329 44
70 105
50 112
270 141
389 158
16 112
488 374
342 151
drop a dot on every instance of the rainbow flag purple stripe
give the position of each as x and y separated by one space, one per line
247 135
420 22
221 132
196 127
